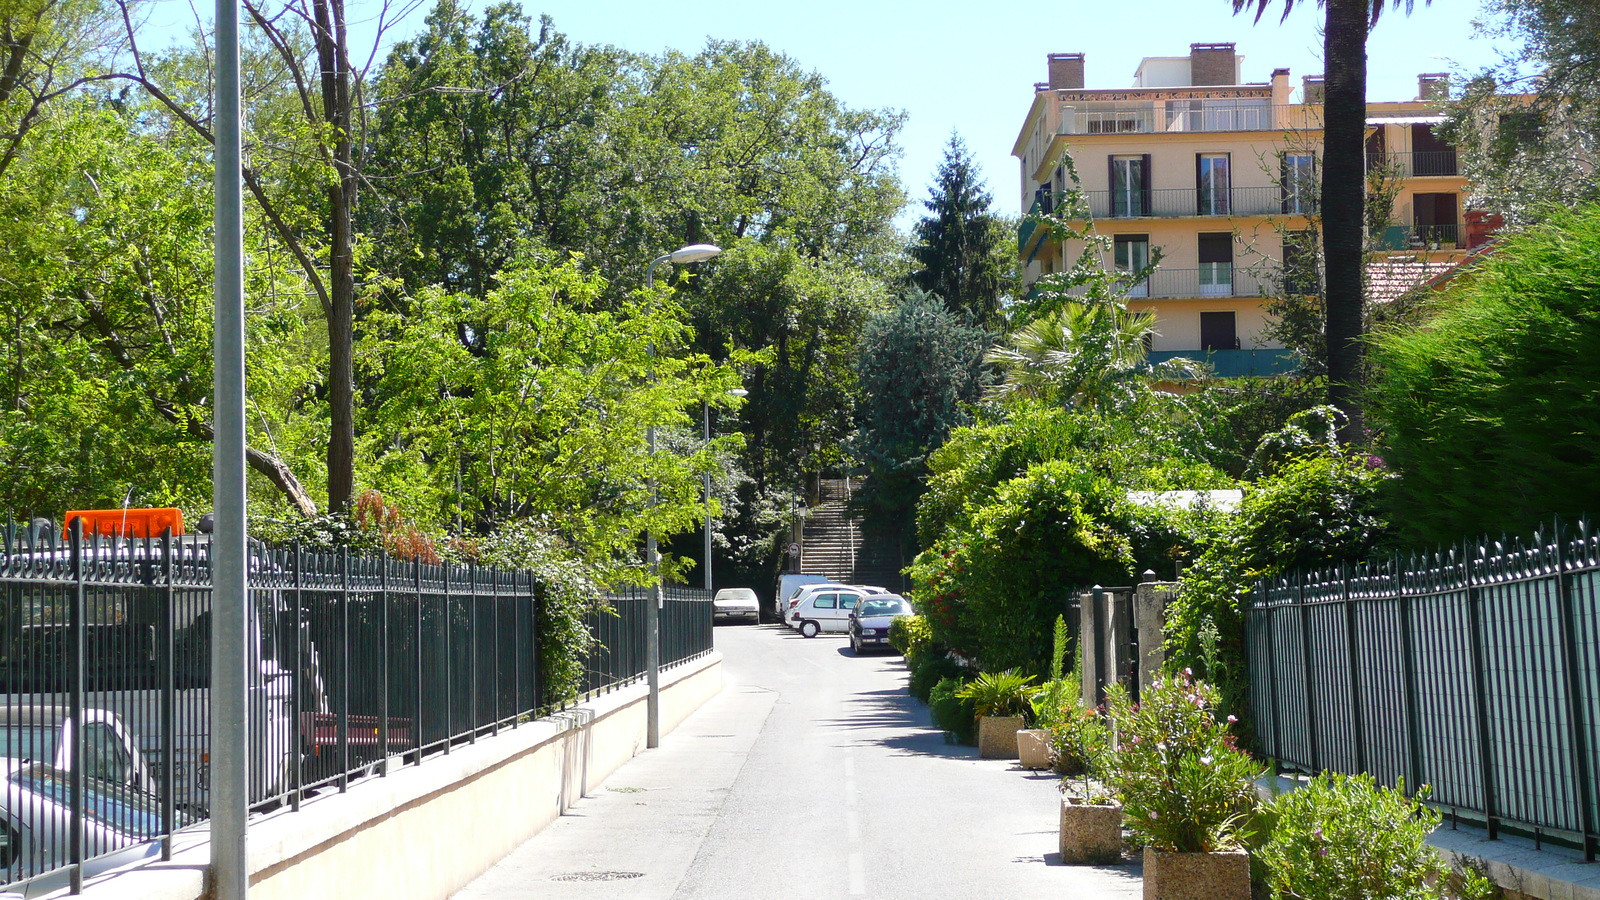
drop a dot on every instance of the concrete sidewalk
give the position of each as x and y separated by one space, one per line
641 831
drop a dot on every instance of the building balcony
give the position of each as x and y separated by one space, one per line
1185 116
1219 280
1417 164
1183 202
1234 363
1400 238
1027 227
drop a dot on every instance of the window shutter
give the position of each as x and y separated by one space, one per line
1144 186
1283 181
1216 247
1111 186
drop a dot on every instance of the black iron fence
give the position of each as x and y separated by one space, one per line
355 665
1475 671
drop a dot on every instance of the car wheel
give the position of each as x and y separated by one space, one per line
855 645
809 629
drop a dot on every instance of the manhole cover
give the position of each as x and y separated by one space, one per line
596 876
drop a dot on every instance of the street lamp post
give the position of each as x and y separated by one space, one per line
705 410
652 645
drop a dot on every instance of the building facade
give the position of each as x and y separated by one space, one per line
1218 178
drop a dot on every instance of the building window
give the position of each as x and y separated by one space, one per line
1131 254
1218 331
1130 186
1212 184
1300 263
1216 263
1431 154
1436 221
1299 184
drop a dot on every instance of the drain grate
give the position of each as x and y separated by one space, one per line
596 876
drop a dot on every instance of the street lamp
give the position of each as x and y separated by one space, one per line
705 410
652 643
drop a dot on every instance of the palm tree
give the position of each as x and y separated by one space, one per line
1081 354
1344 117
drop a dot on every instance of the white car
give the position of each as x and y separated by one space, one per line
828 609
805 592
736 603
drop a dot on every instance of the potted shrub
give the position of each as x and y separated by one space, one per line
1187 791
1001 703
1091 819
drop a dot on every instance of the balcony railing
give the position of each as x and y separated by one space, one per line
1027 226
1177 202
1418 163
1180 116
1234 363
1423 237
1217 281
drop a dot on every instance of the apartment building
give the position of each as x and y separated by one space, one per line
1219 175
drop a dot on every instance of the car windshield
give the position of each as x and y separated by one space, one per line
128 811
881 607
33 742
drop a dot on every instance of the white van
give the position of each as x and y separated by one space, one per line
787 585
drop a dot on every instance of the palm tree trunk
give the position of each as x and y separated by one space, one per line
1343 188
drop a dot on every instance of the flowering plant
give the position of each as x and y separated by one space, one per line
1185 786
1079 741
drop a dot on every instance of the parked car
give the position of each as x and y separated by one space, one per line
120 824
44 734
827 609
788 583
807 591
735 603
869 621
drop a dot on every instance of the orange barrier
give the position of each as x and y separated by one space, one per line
126 522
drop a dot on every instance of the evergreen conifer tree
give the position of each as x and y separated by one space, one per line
955 244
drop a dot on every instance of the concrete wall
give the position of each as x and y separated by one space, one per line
423 832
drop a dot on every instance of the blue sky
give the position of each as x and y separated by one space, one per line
970 67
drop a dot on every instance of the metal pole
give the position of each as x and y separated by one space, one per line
230 732
705 409
652 616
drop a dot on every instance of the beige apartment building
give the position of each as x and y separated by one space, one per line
1218 175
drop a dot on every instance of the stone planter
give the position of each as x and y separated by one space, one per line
997 736
1091 834
1033 748
1196 876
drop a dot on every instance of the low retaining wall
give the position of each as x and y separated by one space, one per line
423 832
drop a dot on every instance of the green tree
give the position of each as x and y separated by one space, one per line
918 370
1082 354
1344 118
1525 153
957 246
531 404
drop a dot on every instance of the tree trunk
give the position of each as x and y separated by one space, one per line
336 110
1343 195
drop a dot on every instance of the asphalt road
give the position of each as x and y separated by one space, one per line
812 775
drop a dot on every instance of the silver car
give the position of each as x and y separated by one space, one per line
736 603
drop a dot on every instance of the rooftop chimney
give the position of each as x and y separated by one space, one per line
1066 71
1212 64
1312 89
1433 86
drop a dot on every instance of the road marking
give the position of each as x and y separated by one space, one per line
858 875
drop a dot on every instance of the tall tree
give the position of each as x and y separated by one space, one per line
956 243
1344 116
1528 130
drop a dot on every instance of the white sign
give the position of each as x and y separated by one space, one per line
794 550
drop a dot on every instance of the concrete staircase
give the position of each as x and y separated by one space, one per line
837 547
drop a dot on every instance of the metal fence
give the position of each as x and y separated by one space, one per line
1475 671
356 664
